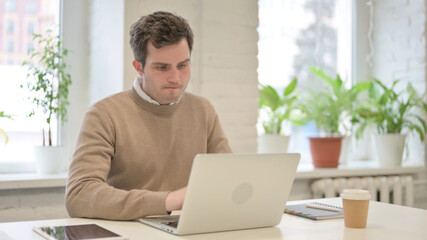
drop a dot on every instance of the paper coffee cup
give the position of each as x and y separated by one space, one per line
356 206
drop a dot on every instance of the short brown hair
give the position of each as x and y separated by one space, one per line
161 29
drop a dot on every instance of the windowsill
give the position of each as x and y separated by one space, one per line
32 180
305 171
353 169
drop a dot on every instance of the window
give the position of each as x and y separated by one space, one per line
10 46
10 6
30 28
30 46
10 26
23 132
296 34
31 8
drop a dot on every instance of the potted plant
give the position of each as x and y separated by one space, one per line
278 109
393 114
331 110
48 83
2 132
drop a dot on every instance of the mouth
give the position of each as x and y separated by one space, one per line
172 87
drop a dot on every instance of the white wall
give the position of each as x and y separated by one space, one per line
399 45
228 67
400 42
32 204
106 47
360 30
75 37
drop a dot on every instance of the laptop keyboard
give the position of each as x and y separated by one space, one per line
173 224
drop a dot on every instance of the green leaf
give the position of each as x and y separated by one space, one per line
3 133
418 130
392 112
3 115
291 87
320 74
360 87
279 108
269 97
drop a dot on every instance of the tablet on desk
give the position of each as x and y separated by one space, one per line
75 232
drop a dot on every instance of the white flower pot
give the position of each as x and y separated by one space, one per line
273 143
388 149
49 159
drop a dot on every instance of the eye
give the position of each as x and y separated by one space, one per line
161 67
182 65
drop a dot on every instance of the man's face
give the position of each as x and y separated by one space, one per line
167 71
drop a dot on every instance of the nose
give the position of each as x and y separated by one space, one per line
174 75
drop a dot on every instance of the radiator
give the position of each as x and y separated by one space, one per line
389 189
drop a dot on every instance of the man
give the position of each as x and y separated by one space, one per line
135 149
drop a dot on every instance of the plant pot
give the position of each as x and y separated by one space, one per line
273 143
325 152
49 160
388 149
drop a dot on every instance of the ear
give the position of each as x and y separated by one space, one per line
138 66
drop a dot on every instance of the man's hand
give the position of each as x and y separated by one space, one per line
174 200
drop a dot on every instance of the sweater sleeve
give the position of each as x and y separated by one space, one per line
87 193
217 141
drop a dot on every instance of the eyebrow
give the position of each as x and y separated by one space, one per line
161 63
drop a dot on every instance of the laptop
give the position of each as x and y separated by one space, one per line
232 192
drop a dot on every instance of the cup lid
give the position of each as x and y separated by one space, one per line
356 194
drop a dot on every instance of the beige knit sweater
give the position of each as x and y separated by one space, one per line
131 153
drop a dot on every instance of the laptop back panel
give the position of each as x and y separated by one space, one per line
237 191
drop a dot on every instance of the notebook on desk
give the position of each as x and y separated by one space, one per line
232 192
305 211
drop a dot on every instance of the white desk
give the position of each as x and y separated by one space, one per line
385 221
